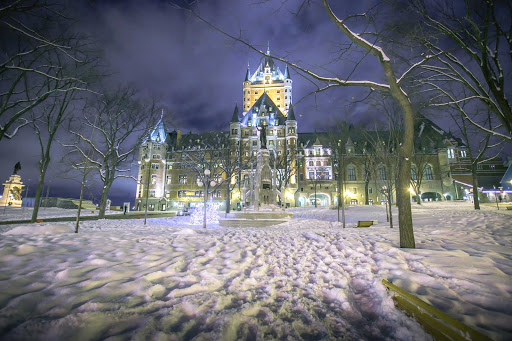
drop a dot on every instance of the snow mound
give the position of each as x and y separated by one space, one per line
40 229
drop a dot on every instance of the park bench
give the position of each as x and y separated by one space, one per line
364 223
435 322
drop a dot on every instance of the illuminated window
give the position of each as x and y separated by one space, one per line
168 179
427 172
381 173
183 179
451 153
351 173
153 179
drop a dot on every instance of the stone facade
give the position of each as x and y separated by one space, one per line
167 182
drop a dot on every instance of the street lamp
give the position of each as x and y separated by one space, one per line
206 182
148 165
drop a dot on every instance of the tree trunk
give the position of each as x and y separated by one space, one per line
80 204
404 161
476 199
366 201
418 197
390 211
104 197
39 190
37 202
228 197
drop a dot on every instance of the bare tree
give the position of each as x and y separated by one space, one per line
122 122
473 44
231 163
34 52
477 144
285 165
48 118
338 133
421 160
207 162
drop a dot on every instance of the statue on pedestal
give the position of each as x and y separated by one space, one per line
13 189
263 136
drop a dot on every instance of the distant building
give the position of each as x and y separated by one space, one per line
166 182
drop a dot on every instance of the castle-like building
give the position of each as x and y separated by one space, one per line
310 162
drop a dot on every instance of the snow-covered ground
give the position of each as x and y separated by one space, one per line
306 279
23 213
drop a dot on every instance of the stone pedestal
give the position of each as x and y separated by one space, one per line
12 192
265 193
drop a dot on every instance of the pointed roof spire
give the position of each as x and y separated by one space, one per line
291 115
286 73
234 118
247 74
268 47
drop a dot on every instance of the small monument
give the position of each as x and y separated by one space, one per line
12 189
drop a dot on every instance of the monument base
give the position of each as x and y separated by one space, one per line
12 192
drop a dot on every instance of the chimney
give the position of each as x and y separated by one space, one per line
178 139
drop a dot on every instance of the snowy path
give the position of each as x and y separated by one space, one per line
306 279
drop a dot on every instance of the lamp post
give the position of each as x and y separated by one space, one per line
206 183
496 196
148 165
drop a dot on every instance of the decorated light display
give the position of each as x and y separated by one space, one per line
212 214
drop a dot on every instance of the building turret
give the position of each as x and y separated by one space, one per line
234 125
286 73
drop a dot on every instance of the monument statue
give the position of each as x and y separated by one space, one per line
17 168
263 136
13 189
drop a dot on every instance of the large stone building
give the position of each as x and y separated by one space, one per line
309 174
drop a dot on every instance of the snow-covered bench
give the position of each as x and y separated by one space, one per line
364 223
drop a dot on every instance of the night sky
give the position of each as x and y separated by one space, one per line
197 73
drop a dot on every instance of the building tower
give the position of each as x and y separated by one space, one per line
152 170
268 79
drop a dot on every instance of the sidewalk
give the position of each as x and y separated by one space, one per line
129 215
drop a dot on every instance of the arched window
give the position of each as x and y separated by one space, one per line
427 173
311 163
414 174
381 173
351 173
326 163
318 163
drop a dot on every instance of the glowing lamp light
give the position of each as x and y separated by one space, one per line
411 190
